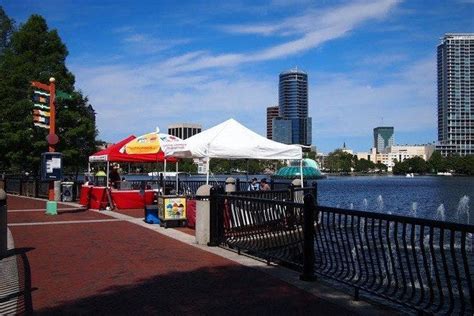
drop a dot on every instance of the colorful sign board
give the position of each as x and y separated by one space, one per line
172 208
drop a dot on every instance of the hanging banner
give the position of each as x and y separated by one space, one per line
41 110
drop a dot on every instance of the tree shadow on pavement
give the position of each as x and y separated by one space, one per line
222 290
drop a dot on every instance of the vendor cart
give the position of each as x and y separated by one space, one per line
172 210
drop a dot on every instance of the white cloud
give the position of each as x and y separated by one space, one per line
314 28
199 86
342 105
138 100
344 17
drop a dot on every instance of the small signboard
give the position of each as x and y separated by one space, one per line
172 208
51 166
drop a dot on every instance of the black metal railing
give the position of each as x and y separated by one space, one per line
15 283
423 264
268 229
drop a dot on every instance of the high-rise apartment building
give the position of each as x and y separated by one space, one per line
383 138
293 104
456 95
184 130
272 112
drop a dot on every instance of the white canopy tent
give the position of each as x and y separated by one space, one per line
232 140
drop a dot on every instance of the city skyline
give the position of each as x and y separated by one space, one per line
370 63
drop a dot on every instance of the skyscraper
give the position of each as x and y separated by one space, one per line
456 94
383 138
272 112
293 104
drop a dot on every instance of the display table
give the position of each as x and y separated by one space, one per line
98 198
84 199
130 199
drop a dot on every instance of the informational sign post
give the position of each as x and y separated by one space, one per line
51 166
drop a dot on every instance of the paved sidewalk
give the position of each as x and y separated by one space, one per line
86 262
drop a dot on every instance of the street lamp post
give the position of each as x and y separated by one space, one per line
52 137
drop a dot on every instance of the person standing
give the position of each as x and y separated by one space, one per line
114 177
264 186
253 186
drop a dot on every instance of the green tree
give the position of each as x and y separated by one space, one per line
381 167
363 165
339 161
401 167
437 163
7 27
412 165
36 53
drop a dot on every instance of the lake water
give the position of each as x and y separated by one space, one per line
421 196
440 197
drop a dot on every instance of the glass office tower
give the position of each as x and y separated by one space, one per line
293 103
383 138
456 95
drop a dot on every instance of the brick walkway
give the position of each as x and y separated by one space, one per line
84 262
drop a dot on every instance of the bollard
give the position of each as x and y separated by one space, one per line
3 224
57 191
309 211
203 215
297 195
230 185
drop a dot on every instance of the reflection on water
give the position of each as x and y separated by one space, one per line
442 198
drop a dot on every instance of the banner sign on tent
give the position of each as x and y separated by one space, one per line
152 143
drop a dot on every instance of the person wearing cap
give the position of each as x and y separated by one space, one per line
253 186
264 185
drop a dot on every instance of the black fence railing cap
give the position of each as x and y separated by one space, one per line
259 199
259 192
468 228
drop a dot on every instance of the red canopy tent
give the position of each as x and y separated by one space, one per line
113 153
146 148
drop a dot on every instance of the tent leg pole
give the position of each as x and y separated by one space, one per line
177 176
207 167
164 169
108 166
301 172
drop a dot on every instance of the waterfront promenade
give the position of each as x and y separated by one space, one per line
86 262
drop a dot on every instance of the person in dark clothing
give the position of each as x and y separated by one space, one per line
114 177
253 186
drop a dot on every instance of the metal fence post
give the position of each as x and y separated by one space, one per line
3 224
213 218
315 192
237 185
309 210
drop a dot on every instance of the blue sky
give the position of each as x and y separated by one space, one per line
153 63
